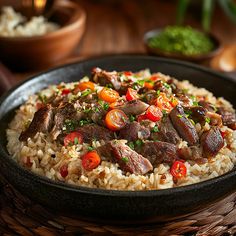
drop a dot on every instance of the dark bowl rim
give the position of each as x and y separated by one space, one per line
217 47
77 22
116 193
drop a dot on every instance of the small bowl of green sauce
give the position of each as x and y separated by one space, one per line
182 42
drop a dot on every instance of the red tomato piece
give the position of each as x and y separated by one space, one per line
116 119
142 117
223 133
108 95
127 73
178 170
163 102
65 91
64 170
90 160
84 85
149 84
154 78
131 94
153 113
73 138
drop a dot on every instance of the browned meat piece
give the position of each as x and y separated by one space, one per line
129 160
183 125
211 142
104 78
130 132
228 117
63 112
167 132
197 114
92 132
207 105
133 107
158 152
184 100
215 119
150 95
41 122
190 153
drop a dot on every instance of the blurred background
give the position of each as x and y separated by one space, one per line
119 27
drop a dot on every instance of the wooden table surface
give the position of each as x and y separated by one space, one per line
117 26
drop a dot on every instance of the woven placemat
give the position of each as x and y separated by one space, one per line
21 216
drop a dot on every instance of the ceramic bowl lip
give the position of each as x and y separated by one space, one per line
217 49
78 18
105 192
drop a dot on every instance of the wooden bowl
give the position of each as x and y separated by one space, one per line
24 53
201 57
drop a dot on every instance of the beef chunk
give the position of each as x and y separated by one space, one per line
212 142
41 122
191 153
63 112
132 131
92 132
228 117
104 78
129 160
166 132
133 107
183 125
207 105
196 113
158 152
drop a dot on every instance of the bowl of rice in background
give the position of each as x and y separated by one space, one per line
109 205
39 42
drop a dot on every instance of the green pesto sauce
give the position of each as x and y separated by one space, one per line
182 40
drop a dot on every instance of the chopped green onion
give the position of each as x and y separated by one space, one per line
125 159
131 118
155 129
208 120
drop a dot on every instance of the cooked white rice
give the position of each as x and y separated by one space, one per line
107 175
13 24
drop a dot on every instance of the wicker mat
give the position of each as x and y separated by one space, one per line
21 216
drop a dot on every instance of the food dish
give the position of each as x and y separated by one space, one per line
125 131
13 24
41 51
115 206
198 57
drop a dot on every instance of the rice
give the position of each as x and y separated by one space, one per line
13 24
45 157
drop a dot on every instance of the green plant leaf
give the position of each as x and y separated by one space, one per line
229 7
207 9
181 11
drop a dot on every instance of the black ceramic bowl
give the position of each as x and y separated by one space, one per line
116 206
201 57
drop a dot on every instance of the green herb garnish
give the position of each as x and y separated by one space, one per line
208 120
131 145
179 115
90 148
42 98
131 118
83 122
158 92
139 142
155 129
86 92
70 125
125 159
76 141
166 85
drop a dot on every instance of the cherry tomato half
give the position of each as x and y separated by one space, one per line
90 160
84 85
131 94
153 113
116 119
108 95
73 138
